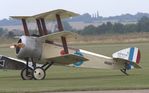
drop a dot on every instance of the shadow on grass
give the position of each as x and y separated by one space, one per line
74 77
9 77
86 77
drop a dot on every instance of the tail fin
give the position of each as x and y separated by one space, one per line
131 54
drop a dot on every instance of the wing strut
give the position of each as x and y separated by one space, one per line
44 26
60 27
39 27
25 27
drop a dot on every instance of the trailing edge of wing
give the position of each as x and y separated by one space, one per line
67 59
58 35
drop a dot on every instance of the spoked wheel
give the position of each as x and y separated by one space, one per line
39 73
26 74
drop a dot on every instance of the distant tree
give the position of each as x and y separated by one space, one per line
89 30
11 34
109 28
2 31
143 24
130 28
102 29
118 28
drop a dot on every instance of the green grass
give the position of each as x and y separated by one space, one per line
61 78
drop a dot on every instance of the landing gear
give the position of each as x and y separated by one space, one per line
127 66
37 73
26 74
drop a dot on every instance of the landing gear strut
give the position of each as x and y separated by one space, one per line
37 73
26 73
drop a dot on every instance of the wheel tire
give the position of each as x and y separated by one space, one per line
39 73
29 76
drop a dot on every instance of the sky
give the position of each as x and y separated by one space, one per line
104 7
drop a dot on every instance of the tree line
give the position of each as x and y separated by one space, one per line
106 28
5 33
117 28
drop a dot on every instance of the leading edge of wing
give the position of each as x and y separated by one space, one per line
67 59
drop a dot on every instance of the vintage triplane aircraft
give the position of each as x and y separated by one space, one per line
43 49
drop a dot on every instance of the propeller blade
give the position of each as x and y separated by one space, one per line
19 45
12 47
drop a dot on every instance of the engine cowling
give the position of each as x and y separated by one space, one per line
32 47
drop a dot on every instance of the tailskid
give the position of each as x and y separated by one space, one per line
124 71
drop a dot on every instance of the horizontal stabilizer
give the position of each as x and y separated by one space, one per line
136 66
58 35
67 59
123 61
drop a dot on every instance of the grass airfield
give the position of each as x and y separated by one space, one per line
62 78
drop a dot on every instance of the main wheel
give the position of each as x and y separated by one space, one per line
39 73
26 74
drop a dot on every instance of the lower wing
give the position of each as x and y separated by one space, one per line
11 63
67 59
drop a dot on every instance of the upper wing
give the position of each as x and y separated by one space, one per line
58 35
67 59
51 15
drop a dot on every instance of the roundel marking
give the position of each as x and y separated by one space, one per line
79 63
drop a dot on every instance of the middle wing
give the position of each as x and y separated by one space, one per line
58 35
67 59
